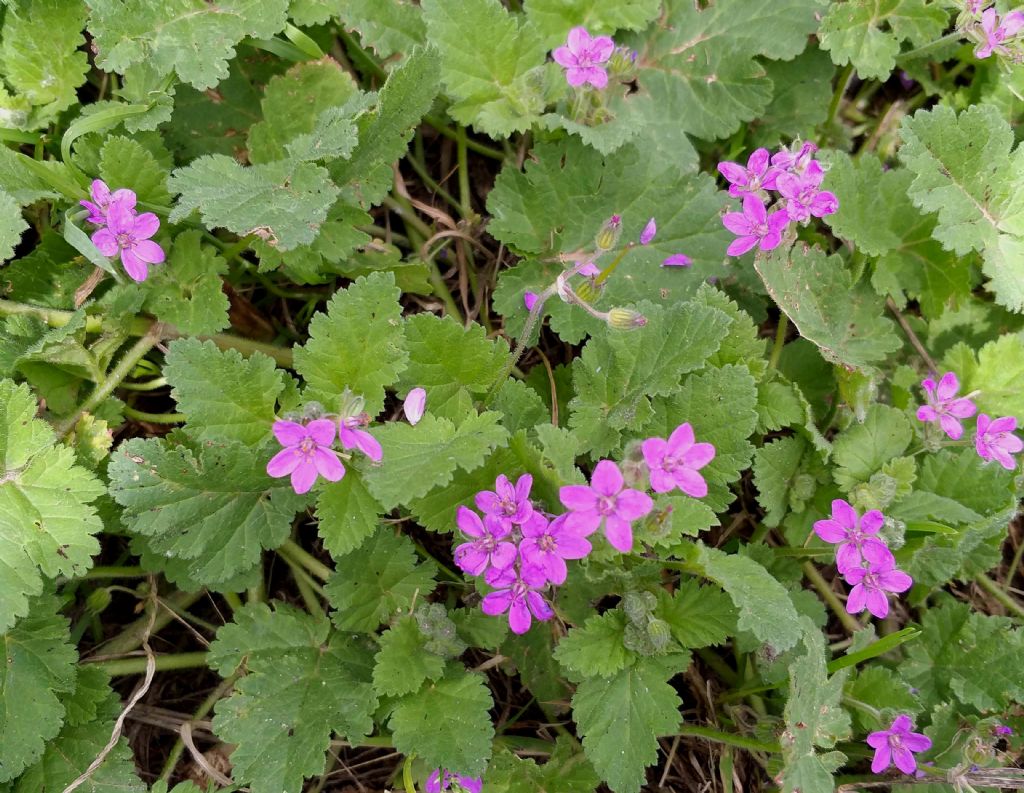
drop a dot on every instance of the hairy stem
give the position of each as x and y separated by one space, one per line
120 667
849 621
1004 599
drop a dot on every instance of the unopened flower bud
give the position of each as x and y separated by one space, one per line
622 64
98 600
626 319
608 237
589 291
312 411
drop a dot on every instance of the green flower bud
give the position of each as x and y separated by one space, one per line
609 234
98 600
626 319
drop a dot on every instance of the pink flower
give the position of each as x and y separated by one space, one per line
605 499
897 745
529 300
486 550
743 181
352 437
307 452
101 198
754 226
793 161
439 782
870 585
581 57
414 405
944 406
855 535
547 545
994 439
675 462
804 199
677 260
507 503
997 32
128 235
518 596
648 233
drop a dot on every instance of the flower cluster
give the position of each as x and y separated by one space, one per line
993 438
795 175
897 745
521 550
308 445
992 31
440 781
123 232
863 558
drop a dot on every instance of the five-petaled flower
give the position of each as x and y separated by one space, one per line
307 452
352 437
897 745
517 594
128 235
855 534
487 549
547 545
997 31
944 406
676 462
754 226
581 57
509 504
803 198
606 500
870 585
442 782
101 198
995 440
758 174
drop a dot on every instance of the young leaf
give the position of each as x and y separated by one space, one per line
191 37
699 616
188 291
595 648
376 580
39 667
426 456
446 723
818 294
965 171
621 717
47 526
213 507
490 62
224 395
357 344
868 33
862 449
403 662
300 687
813 717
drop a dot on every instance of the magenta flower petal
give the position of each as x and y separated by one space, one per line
496 602
289 433
471 558
648 232
882 759
321 431
606 479
469 522
584 522
303 477
564 57
283 463
105 242
677 260
691 483
578 40
577 497
415 404
137 269
601 48
857 599
145 226
148 251
328 465
829 530
633 504
741 245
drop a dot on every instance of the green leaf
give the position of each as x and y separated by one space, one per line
699 64
39 665
966 173
862 449
699 616
490 63
621 717
127 163
565 771
596 648
376 580
446 723
47 526
800 99
224 395
191 37
423 457
882 689
813 718
300 687
955 644
403 662
12 225
776 465
27 180
845 320
998 377
764 606
293 102
386 26
213 508
357 344
555 18
443 353
283 202
346 514
619 371
720 404
40 57
868 33
187 291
